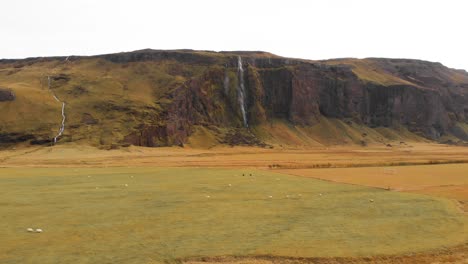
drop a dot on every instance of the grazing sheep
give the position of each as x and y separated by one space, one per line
126 185
270 196
38 230
371 200
30 230
320 194
229 185
208 196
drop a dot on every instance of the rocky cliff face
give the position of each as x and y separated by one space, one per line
430 106
179 91
427 98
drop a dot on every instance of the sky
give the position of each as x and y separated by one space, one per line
322 29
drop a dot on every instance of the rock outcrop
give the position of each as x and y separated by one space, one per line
6 95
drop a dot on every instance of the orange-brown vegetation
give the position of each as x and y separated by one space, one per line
223 156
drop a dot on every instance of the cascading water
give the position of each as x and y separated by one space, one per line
62 127
241 91
226 83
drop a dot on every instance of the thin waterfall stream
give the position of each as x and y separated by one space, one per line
241 91
62 127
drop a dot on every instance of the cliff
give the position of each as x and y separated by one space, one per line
202 98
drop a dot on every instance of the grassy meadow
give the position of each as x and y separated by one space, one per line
154 215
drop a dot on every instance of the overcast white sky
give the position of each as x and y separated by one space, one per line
429 30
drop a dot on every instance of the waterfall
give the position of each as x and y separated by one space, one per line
241 90
62 127
226 83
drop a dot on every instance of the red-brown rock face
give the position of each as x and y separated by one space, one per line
428 101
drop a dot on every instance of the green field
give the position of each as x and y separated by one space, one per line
91 216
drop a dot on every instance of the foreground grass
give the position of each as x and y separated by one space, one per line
147 215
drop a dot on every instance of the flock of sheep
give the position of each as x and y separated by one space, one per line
269 196
32 230
39 230
287 196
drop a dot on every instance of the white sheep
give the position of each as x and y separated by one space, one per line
229 185
208 196
371 200
38 230
270 196
126 185
30 230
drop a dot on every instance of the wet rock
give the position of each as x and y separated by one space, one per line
8 139
7 95
88 119
242 137
78 90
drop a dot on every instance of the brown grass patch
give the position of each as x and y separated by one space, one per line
457 254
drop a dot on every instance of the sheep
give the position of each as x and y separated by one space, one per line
320 194
229 185
30 230
126 185
270 196
371 200
208 196
38 230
